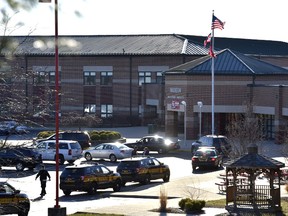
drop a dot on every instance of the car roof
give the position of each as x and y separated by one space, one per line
215 136
135 159
79 166
62 141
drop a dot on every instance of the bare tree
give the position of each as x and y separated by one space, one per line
244 130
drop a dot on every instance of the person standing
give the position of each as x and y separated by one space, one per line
43 174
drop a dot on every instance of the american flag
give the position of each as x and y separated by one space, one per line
208 40
211 53
217 23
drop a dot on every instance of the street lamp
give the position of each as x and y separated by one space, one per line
184 104
56 210
200 104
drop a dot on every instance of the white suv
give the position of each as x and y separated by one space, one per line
69 150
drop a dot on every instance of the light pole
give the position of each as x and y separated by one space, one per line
200 104
184 104
56 210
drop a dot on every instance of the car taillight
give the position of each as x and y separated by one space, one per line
194 159
213 159
122 151
70 152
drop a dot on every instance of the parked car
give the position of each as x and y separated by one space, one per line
89 178
12 127
111 151
81 136
12 201
20 157
206 157
143 170
155 143
220 142
69 150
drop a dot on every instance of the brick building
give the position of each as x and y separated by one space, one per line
120 77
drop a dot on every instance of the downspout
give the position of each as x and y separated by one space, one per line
130 91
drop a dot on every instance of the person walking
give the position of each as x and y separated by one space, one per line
43 174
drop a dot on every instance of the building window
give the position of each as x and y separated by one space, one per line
106 78
144 77
90 108
159 78
89 78
106 110
43 77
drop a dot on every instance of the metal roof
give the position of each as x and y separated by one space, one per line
227 62
253 160
107 45
162 44
245 46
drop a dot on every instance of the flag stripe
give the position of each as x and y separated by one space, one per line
217 23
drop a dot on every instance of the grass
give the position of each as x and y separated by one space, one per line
210 203
222 202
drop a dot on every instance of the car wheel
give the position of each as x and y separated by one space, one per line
67 192
162 151
113 158
193 168
219 164
23 213
166 177
61 159
20 166
117 186
146 180
93 189
88 156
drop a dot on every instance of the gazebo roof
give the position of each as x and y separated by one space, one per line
253 160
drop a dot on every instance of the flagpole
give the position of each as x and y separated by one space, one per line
212 82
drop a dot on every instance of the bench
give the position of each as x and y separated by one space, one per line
221 186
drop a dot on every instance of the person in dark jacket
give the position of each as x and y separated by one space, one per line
43 174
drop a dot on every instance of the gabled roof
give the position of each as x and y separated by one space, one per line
150 44
108 45
227 62
253 160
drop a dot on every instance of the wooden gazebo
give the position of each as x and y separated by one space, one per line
244 192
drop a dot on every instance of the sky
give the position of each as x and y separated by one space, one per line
251 19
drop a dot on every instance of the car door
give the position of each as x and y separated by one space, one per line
104 177
107 151
97 152
153 169
8 199
47 150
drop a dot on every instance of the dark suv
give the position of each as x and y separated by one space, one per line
12 201
21 158
81 136
218 141
142 169
89 178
